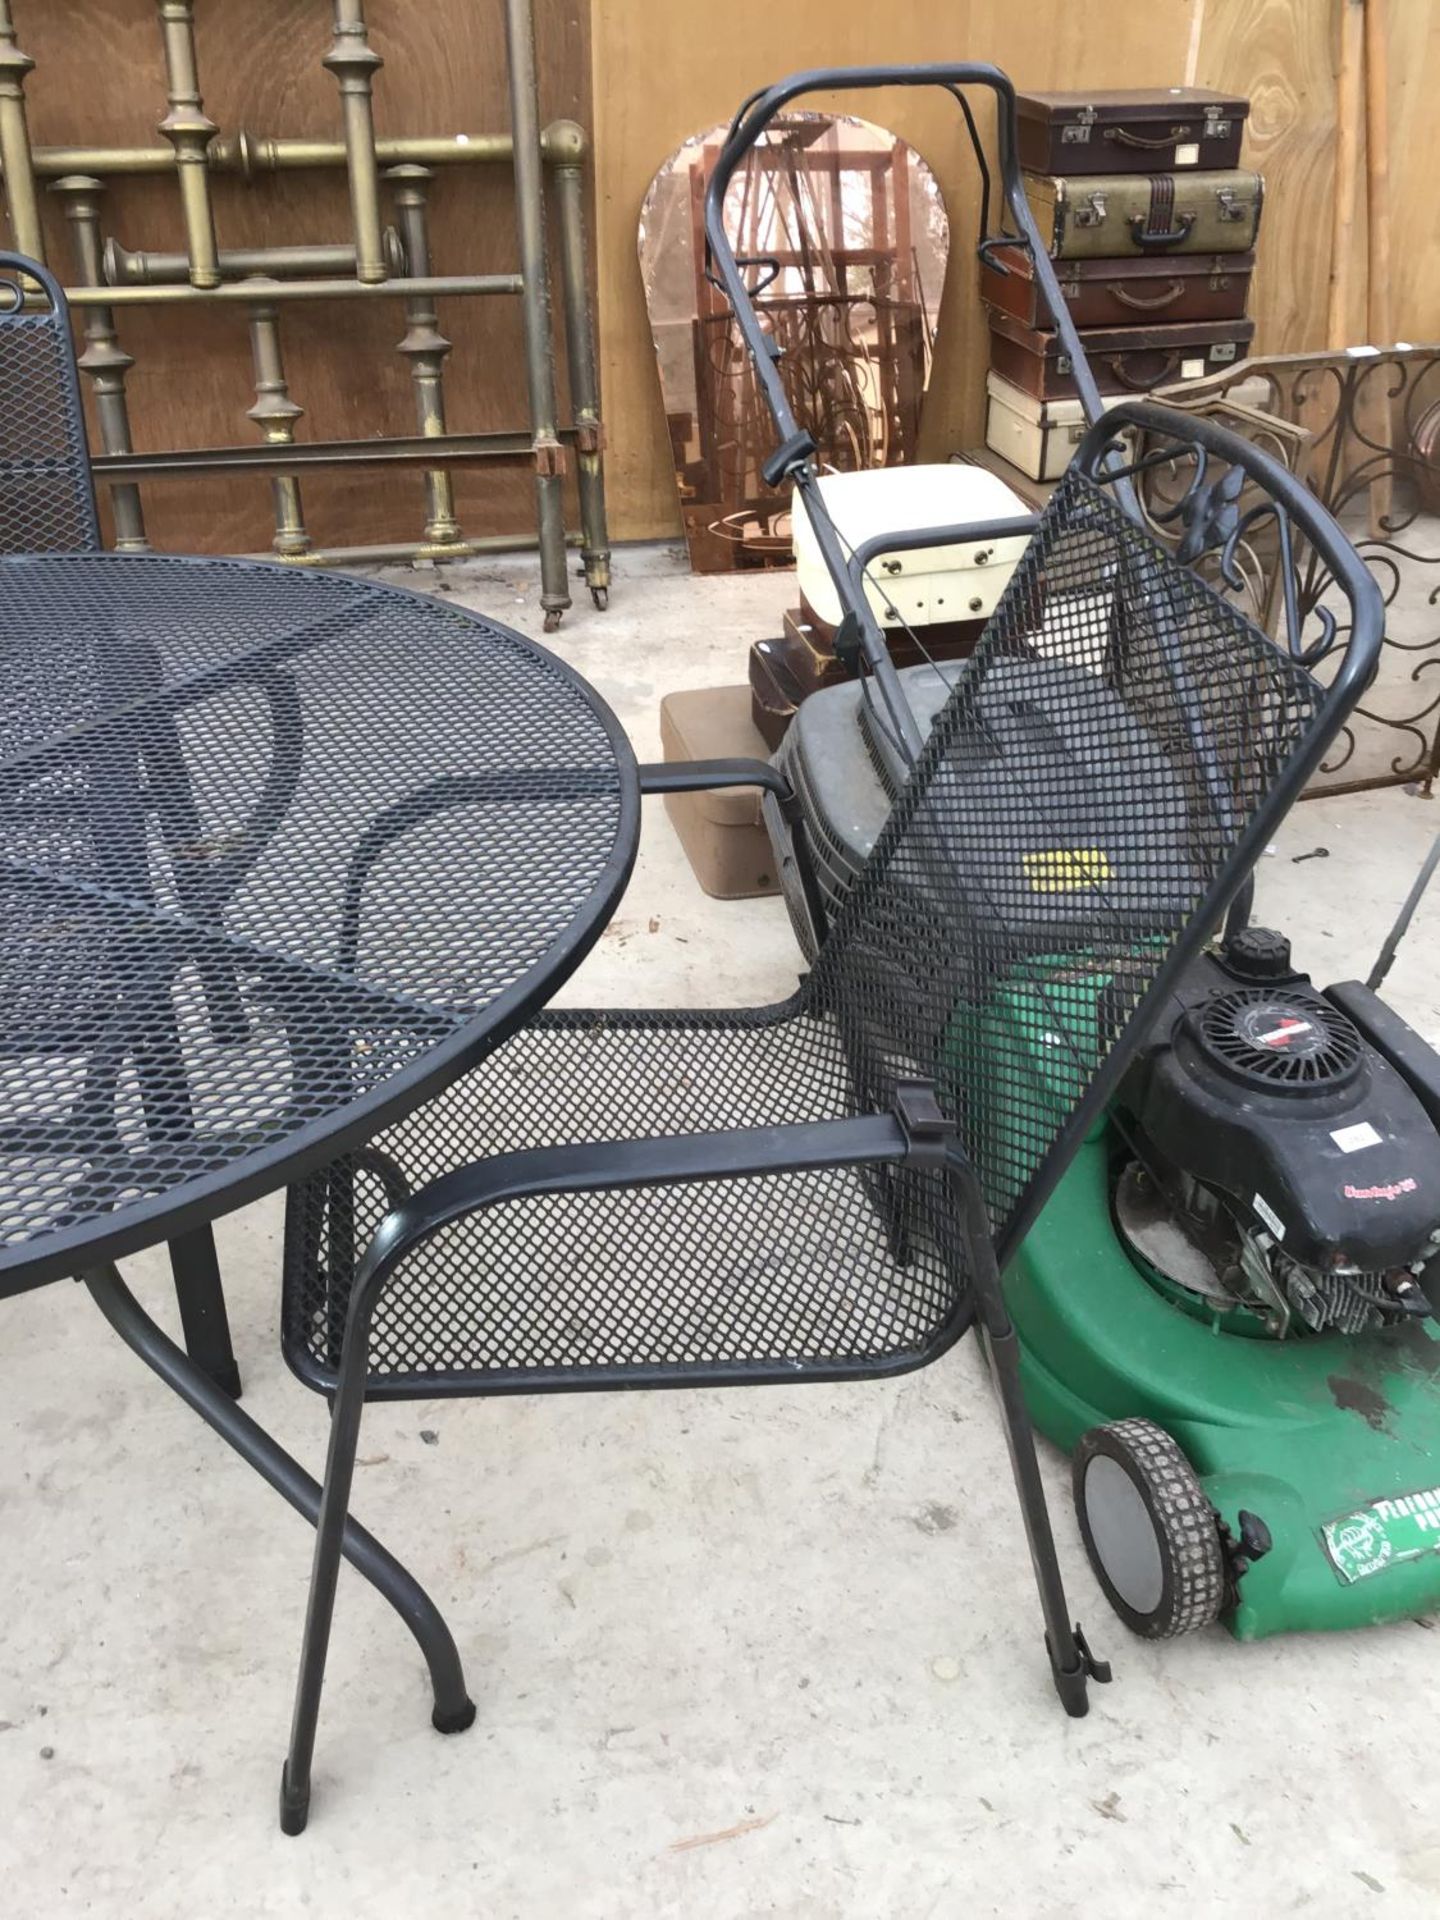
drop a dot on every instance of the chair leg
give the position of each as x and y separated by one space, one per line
1071 1661
202 1308
453 1710
346 1410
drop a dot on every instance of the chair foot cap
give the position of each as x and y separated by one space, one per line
456 1720
294 1807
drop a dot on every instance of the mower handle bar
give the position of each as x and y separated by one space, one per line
793 458
757 113
1099 456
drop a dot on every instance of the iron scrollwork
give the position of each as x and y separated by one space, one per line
1204 515
1371 422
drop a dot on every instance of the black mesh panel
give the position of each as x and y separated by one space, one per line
46 501
1080 793
267 839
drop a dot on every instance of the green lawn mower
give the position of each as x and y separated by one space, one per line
1226 1306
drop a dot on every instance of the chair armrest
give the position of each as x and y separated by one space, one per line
703 776
597 1165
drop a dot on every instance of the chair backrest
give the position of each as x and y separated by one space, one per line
1107 769
47 495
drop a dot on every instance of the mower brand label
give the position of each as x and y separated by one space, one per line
1384 1535
1391 1190
1067 869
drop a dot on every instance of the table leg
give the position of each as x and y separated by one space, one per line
202 1307
454 1710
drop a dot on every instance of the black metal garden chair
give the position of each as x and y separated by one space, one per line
829 1188
47 496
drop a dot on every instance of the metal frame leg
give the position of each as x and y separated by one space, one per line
584 384
535 309
453 1710
346 1410
1071 1661
202 1308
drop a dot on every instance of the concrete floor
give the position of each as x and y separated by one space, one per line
735 1655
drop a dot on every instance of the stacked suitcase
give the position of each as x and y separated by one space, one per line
932 604
1152 225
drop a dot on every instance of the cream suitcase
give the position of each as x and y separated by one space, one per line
928 587
1037 436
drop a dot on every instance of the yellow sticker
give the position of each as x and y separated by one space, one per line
1068 869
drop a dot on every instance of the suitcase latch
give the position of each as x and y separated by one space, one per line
1223 350
1216 126
1230 207
1092 213
1077 131
1063 363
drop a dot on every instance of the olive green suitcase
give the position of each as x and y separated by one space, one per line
1090 216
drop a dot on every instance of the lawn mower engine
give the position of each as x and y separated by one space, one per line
1286 1174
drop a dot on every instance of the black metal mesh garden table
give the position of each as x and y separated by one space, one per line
281 853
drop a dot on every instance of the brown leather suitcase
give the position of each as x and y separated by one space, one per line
802 659
785 670
775 695
1130 130
807 650
808 654
1124 293
1122 359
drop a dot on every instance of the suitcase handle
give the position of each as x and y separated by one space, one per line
1172 293
1147 238
1145 381
1124 138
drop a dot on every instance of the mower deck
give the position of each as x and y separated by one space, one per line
1333 1440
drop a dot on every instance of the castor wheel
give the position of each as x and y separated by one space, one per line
1152 1536
552 620
601 597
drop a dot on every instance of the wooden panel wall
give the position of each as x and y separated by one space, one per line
662 71
1415 168
99 79
1282 53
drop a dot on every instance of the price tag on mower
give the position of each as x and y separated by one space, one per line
1367 1542
1067 869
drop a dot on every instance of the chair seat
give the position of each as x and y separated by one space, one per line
759 1278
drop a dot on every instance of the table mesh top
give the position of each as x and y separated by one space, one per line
268 840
